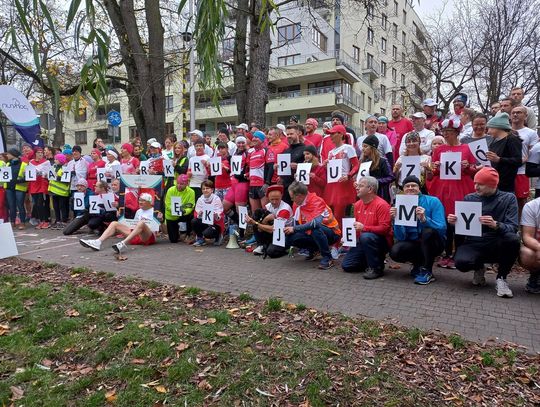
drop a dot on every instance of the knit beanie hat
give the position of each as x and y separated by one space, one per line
259 134
312 121
371 141
500 121
67 151
128 147
338 115
411 178
274 188
487 176
61 158
311 149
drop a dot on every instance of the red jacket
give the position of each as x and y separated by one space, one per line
41 184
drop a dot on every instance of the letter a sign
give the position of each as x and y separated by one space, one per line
406 210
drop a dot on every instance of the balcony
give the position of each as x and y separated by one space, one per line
371 70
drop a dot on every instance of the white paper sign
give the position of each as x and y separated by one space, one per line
278 236
284 164
468 218
5 174
144 167
176 206
410 165
51 174
479 149
8 247
302 173
450 165
236 165
94 201
196 165
334 170
208 214
101 174
168 168
108 200
116 171
30 173
349 233
406 210
215 166
363 171
66 175
242 214
78 201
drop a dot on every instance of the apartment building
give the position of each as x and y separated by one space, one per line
326 55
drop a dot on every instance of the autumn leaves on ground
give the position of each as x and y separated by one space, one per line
76 337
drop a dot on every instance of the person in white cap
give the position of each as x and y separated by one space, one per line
432 121
112 161
195 135
139 235
426 136
282 132
155 159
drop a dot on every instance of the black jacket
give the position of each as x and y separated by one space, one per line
509 150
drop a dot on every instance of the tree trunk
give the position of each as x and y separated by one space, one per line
240 57
259 66
59 138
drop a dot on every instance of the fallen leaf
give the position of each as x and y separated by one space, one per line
204 385
110 396
4 329
138 361
161 389
121 258
222 334
181 347
72 313
16 393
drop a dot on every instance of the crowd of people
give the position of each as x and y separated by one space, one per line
329 195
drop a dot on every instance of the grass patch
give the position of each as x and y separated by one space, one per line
456 341
80 270
192 291
301 307
273 304
245 297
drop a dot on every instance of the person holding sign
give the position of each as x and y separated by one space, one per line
339 192
379 168
315 227
222 181
179 205
129 163
155 159
3 203
77 165
412 149
373 231
258 171
237 195
446 186
97 162
499 242
317 174
81 203
140 235
419 244
198 167
111 163
59 191
275 146
38 189
16 188
263 221
529 256
208 224
296 151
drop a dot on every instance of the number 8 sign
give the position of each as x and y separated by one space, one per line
5 174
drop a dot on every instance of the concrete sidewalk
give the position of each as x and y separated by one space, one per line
450 304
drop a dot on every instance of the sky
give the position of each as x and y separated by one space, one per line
426 8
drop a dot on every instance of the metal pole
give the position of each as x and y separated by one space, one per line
191 73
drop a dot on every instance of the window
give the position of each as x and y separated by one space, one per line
383 111
384 21
80 137
394 97
394 52
369 103
289 91
80 116
395 30
383 92
102 110
169 128
107 135
402 80
362 100
133 132
394 75
228 48
289 60
370 36
289 33
370 11
403 58
383 69
396 7
319 39
356 54
403 37
383 45
369 60
169 103
404 17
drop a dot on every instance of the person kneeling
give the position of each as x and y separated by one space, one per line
187 198
499 242
140 235
374 231
205 231
529 256
263 222
315 227
420 244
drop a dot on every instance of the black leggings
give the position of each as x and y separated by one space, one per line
173 230
453 241
61 208
204 230
419 252
41 206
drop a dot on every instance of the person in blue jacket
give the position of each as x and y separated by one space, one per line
81 215
420 244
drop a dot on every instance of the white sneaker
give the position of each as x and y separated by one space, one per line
119 247
334 251
91 244
502 289
479 279
259 251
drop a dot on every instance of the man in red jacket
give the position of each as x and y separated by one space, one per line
373 230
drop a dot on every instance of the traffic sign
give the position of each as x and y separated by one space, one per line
114 118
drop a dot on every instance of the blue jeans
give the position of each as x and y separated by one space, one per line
369 252
15 201
319 239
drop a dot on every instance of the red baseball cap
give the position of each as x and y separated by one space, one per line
338 129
